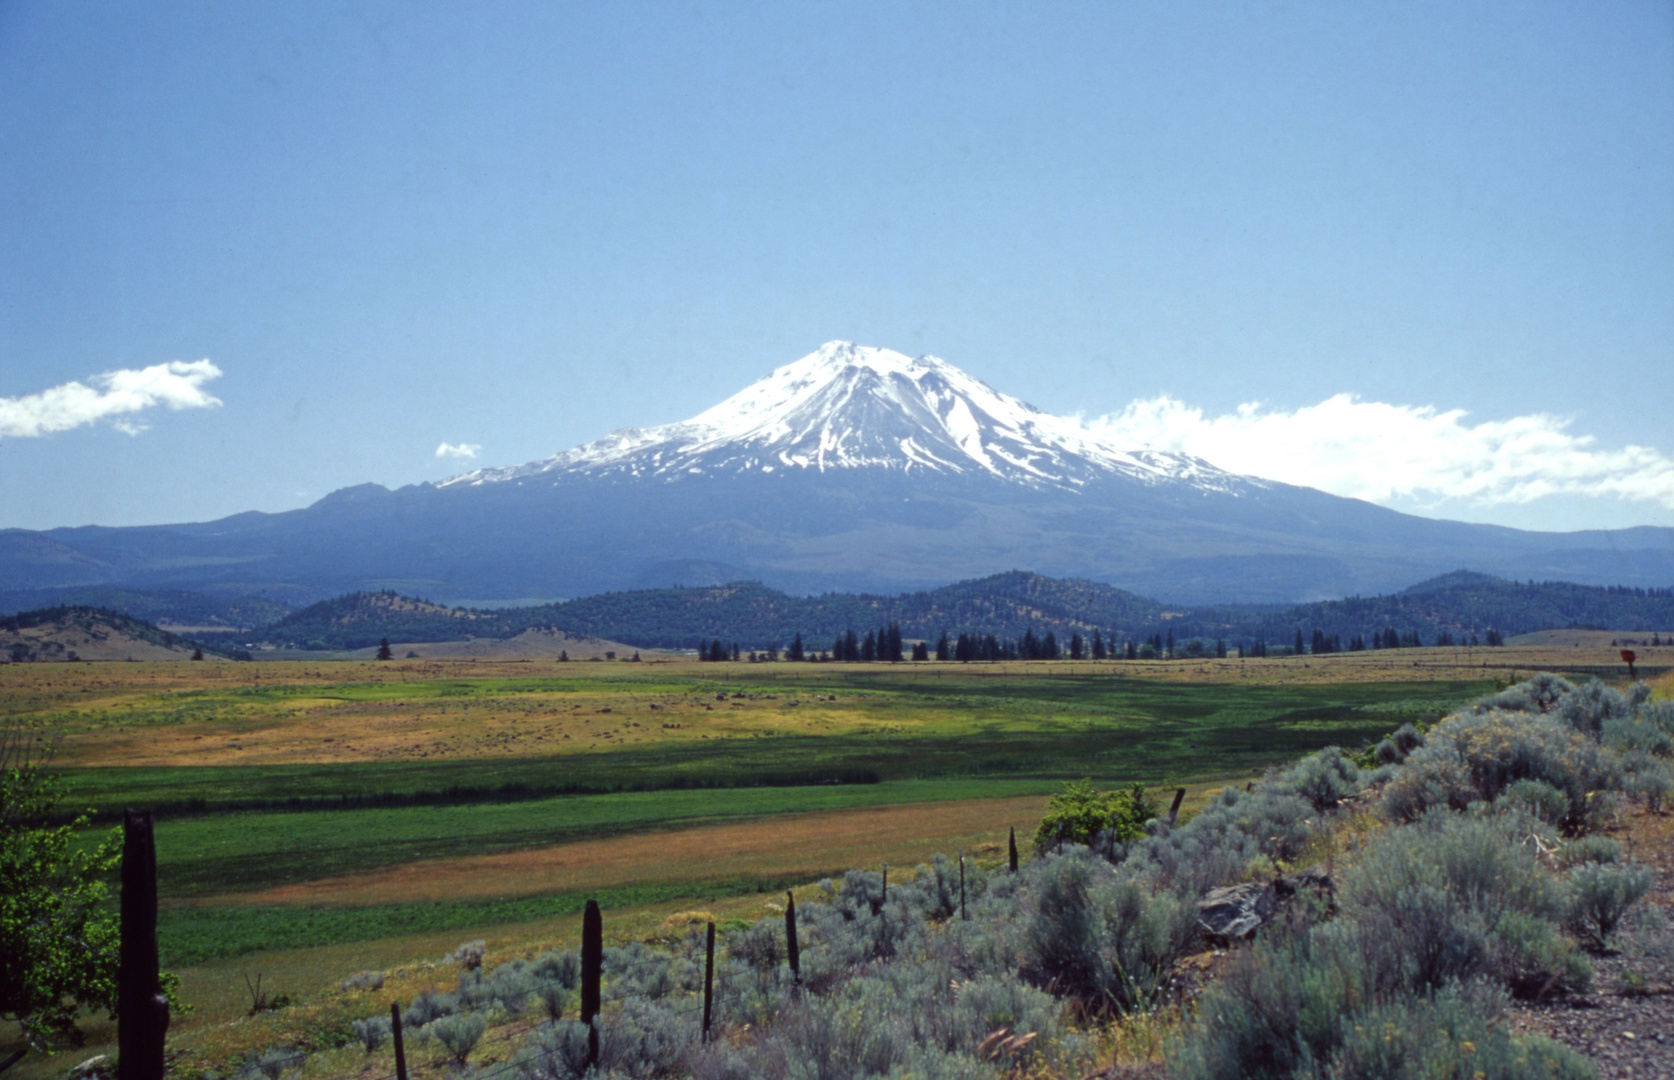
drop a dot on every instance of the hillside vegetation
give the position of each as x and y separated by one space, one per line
1007 606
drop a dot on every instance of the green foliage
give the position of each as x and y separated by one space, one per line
1080 812
59 937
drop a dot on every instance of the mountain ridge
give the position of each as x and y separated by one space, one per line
853 470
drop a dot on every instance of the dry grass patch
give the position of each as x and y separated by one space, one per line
802 845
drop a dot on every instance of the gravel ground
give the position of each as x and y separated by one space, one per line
1625 1024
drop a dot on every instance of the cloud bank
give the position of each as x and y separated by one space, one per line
458 450
1378 452
178 385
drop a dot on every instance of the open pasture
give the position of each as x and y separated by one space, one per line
313 815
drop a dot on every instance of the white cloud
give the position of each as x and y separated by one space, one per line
1379 452
458 450
178 385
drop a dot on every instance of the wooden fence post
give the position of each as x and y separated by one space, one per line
142 1012
708 980
1014 849
1174 811
791 950
885 883
592 969
962 884
395 1035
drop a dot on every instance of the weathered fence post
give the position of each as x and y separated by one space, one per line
142 1012
592 969
708 980
1014 849
1174 811
962 883
395 1036
885 883
791 950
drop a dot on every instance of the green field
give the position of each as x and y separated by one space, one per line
287 793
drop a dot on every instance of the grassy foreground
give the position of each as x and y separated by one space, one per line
320 813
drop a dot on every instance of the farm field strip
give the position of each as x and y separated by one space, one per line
199 856
801 846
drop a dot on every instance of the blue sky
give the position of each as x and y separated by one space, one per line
519 226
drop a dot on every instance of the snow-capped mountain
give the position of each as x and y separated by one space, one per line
852 469
846 406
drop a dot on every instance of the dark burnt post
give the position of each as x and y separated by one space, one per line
708 980
592 971
1174 811
791 950
395 1035
1013 845
142 1012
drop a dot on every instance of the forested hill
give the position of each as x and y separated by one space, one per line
357 620
91 633
1005 605
1461 604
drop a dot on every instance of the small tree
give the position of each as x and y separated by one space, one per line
59 939
384 652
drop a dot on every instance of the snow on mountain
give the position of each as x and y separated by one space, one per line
847 406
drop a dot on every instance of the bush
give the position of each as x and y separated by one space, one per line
365 980
459 1033
1585 849
372 1032
428 1007
1324 779
1601 895
555 1051
1454 898
1080 813
1446 1035
1229 835
1480 754
470 955
1103 938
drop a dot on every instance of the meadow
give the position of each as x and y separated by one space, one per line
310 812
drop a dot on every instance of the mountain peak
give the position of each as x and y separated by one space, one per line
846 406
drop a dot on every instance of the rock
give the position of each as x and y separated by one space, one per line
93 1068
1235 911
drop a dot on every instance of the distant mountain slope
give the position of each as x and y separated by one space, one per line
1460 603
358 620
854 470
1005 605
89 633
167 607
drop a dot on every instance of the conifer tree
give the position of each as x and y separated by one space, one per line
794 653
1098 645
384 652
942 647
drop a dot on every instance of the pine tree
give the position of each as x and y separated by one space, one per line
1075 647
1133 650
794 653
1169 653
942 647
384 652
1098 646
1049 646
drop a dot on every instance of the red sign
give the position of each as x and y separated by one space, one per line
1629 656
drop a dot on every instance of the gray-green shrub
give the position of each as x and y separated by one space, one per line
458 1032
372 1032
1601 894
